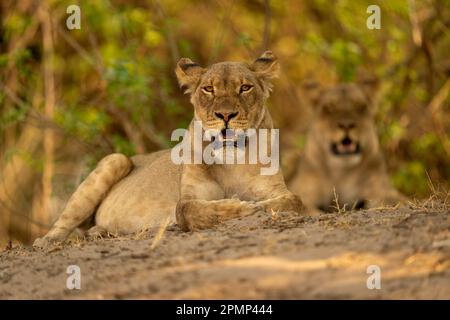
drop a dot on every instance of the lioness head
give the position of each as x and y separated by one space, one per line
344 124
228 96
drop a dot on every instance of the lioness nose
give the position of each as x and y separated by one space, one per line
226 116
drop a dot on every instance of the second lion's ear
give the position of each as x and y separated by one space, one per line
188 74
311 90
370 86
266 67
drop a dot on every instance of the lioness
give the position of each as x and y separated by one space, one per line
130 194
342 164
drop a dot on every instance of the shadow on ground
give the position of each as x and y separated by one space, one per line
257 257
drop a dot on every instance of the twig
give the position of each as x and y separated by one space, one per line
81 51
336 202
416 32
134 135
174 52
49 109
160 233
267 18
220 33
434 107
41 118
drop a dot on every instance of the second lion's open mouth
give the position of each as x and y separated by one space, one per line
346 147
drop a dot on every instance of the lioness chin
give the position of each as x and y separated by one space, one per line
342 166
127 195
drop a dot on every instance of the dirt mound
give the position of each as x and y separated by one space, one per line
261 256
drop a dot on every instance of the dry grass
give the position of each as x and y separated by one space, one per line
160 233
439 199
336 205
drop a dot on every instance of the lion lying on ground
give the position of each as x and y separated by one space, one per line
342 164
127 195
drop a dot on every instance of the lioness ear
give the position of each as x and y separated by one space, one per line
188 74
370 86
266 67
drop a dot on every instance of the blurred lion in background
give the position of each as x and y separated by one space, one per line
342 166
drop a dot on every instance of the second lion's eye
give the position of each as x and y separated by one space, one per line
208 89
245 88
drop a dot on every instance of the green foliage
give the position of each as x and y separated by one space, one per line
411 178
12 116
123 145
127 85
29 159
346 57
122 78
85 123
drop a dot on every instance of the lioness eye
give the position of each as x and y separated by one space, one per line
245 88
208 89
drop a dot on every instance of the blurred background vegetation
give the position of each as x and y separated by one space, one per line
69 97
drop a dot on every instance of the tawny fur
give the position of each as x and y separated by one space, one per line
129 195
327 181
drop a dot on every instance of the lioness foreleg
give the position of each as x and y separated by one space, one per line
285 202
201 214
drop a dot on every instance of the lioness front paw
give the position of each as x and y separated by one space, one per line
96 232
251 208
45 242
282 204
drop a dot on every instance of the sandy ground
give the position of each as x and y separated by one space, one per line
258 257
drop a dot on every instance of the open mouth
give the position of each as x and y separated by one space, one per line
346 147
230 138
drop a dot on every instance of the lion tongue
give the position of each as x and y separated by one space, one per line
348 148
